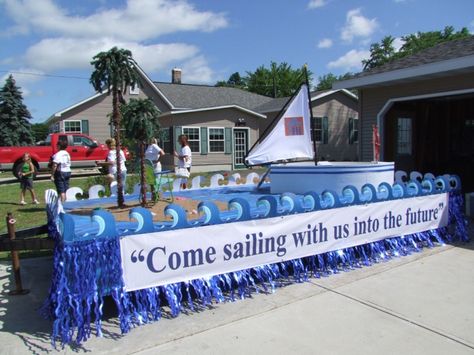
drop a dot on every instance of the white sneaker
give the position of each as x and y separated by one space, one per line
36 202
22 203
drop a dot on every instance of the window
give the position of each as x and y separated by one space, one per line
353 130
318 129
72 126
193 138
404 136
135 90
82 141
216 140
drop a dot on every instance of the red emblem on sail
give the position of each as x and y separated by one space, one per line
294 126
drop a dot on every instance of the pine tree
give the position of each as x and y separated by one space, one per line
15 126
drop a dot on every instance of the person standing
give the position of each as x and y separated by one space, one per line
111 162
61 169
184 158
153 153
26 179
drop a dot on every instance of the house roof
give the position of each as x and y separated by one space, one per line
278 103
446 57
186 96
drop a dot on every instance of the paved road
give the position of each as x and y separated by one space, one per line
420 304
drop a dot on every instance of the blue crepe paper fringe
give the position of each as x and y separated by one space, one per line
85 272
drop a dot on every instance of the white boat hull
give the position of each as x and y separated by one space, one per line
300 178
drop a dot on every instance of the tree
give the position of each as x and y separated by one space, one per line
280 80
234 81
114 71
383 52
40 131
15 127
325 82
421 40
380 53
140 119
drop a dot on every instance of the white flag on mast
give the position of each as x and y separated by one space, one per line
290 138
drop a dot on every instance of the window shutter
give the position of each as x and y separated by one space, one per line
228 140
351 131
325 130
178 130
204 148
85 126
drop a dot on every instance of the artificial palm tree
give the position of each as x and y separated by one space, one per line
114 71
140 119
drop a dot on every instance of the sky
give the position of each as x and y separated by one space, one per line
48 44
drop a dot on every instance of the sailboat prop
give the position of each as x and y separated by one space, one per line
287 149
288 137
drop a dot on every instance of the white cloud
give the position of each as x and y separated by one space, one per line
325 43
23 78
398 43
67 53
197 70
352 60
314 4
357 26
139 20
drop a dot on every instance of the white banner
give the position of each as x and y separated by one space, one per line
184 254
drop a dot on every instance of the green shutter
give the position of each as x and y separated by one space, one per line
351 131
228 140
204 148
85 126
178 130
325 130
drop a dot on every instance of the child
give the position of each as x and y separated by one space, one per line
26 179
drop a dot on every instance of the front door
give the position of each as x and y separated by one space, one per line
241 138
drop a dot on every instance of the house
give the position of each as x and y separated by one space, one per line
221 123
335 114
423 105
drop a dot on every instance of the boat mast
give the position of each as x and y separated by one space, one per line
311 114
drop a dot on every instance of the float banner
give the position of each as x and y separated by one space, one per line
161 258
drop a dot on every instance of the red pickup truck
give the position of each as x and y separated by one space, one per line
84 152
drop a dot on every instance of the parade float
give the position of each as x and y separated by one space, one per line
308 221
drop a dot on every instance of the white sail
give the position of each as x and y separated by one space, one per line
290 138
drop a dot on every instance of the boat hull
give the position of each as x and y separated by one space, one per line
300 178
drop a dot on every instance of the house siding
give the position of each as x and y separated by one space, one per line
97 109
225 118
372 100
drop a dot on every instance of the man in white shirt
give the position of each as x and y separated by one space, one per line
61 169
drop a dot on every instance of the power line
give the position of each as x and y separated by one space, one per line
44 74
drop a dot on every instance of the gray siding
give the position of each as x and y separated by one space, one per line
215 118
96 111
372 100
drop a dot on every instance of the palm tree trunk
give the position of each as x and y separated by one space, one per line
116 119
142 174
